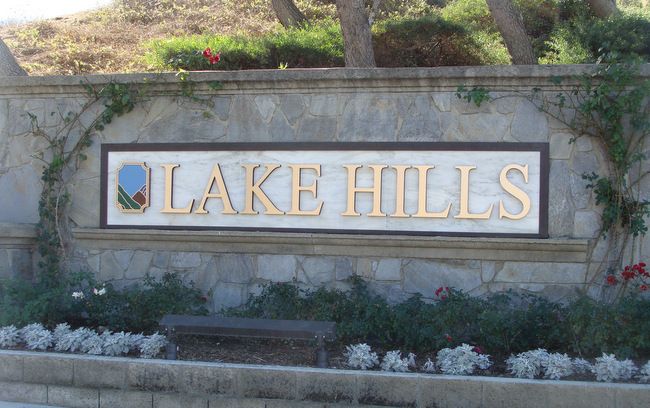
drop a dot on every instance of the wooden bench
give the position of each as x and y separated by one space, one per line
243 327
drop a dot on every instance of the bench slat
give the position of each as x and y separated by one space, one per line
237 326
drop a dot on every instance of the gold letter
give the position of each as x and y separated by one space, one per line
253 189
422 196
399 191
514 191
464 197
375 190
296 188
169 192
222 194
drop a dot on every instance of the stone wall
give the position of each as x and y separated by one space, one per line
396 105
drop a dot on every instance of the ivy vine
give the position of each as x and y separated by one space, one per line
65 151
612 105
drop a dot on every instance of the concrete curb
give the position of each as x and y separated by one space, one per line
88 381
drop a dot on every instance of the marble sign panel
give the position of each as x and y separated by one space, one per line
470 189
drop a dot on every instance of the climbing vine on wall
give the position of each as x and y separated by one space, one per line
612 105
65 150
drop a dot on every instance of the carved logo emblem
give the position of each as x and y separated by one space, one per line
132 184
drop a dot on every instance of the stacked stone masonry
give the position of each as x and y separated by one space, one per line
337 105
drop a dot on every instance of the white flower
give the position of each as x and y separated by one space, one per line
99 292
429 366
527 364
78 295
393 361
608 368
645 373
462 360
360 356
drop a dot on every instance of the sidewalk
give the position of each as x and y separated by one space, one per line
4 404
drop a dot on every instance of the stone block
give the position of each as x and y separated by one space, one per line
424 277
161 378
223 402
534 272
99 373
323 105
420 122
11 368
583 144
317 270
22 392
343 268
139 265
221 107
109 268
6 272
21 205
178 401
161 259
84 211
586 224
507 392
185 260
529 123
276 268
585 163
47 370
633 396
71 397
560 207
483 127
280 129
266 105
125 399
579 192
388 389
267 383
318 128
136 375
449 392
207 380
292 106
327 388
442 101
560 146
369 118
388 270
245 123
236 268
228 295
581 395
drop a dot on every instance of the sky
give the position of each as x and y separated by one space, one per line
13 11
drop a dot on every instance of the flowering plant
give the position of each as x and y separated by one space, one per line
634 275
212 58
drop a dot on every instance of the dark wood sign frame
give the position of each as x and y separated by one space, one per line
542 148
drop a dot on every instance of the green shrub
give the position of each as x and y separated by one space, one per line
427 41
319 45
500 324
137 308
584 40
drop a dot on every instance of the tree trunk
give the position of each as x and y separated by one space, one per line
357 40
511 26
603 8
8 64
288 13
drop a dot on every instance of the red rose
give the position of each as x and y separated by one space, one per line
207 53
611 279
215 58
643 288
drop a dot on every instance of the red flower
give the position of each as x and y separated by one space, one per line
440 290
611 279
215 58
642 264
477 349
643 288
207 53
449 338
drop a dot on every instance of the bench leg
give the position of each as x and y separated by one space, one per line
171 347
322 358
